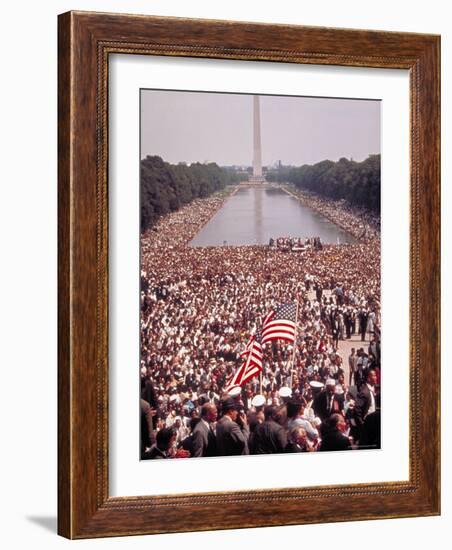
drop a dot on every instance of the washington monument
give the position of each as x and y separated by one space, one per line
257 176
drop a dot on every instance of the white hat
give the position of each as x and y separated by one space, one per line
330 382
235 391
285 392
258 401
316 384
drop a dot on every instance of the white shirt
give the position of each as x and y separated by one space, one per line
311 432
372 407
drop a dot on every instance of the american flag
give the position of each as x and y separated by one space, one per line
253 364
280 324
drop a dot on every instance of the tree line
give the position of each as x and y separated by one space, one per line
166 187
356 182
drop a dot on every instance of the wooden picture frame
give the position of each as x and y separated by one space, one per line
86 40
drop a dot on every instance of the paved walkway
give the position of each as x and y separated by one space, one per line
345 346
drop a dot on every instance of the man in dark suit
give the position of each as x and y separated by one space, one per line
318 291
165 440
149 394
333 437
204 441
232 430
270 436
363 316
335 328
327 402
348 322
146 426
367 408
370 436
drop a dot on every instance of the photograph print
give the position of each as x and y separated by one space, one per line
260 274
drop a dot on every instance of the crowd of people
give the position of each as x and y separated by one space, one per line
178 228
200 306
359 222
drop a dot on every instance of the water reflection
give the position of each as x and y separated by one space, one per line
253 215
258 217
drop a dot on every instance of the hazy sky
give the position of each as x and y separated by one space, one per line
215 127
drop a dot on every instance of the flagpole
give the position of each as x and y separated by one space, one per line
294 345
260 382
